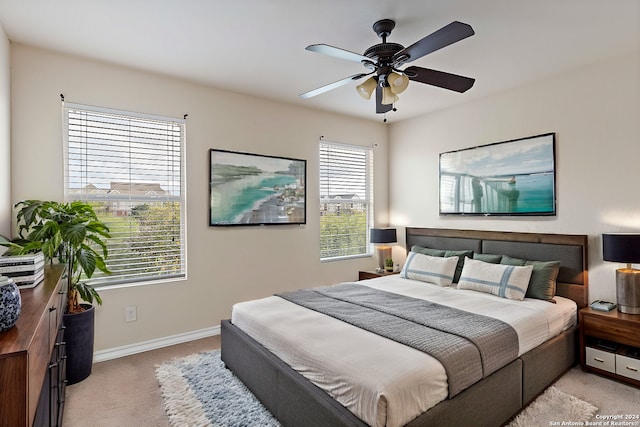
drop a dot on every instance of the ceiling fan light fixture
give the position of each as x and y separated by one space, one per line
398 83
366 88
388 97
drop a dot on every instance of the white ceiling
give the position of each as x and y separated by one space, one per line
257 46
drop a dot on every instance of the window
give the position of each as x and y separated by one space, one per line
130 167
346 200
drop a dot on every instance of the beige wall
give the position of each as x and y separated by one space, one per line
595 112
5 135
225 265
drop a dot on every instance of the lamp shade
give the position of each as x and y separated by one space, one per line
383 235
388 97
621 247
366 88
398 83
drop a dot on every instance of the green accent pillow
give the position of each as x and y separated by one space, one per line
543 280
490 258
512 261
461 256
427 251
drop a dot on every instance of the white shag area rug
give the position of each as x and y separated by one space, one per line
555 407
199 391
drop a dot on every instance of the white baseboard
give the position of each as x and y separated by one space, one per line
127 350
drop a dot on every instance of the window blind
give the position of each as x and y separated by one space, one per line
346 200
130 168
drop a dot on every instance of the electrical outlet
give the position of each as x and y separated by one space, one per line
130 314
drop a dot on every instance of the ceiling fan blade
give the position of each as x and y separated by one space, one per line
439 78
380 107
332 86
445 36
337 52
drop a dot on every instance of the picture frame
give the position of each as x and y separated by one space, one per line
255 189
508 178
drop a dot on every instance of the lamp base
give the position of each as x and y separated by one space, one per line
384 253
628 290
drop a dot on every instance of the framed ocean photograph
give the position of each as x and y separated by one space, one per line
515 177
255 189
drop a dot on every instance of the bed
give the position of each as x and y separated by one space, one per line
256 356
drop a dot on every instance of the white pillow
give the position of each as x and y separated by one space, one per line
431 269
506 281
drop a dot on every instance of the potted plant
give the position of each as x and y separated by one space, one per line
70 234
388 265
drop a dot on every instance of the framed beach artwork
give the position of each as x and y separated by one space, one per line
515 177
255 189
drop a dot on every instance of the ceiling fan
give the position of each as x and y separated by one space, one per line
384 60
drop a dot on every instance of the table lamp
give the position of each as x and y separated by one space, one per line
381 237
624 248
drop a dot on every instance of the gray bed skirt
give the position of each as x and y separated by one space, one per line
295 401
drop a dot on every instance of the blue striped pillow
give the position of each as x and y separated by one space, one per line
506 281
431 269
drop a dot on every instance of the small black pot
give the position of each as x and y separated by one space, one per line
79 335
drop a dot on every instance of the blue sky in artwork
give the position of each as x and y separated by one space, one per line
264 163
512 158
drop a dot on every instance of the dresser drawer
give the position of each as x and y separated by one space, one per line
601 359
628 367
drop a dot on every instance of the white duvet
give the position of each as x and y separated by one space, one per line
382 382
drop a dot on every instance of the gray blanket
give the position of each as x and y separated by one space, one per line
468 345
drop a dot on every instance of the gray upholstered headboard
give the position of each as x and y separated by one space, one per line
569 249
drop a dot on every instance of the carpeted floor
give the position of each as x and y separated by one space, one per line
220 399
125 392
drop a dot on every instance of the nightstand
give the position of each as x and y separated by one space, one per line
364 275
610 344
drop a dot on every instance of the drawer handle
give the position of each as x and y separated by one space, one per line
631 368
598 360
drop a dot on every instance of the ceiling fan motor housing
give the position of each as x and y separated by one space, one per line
383 51
383 55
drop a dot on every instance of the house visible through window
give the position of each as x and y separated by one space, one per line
130 168
346 200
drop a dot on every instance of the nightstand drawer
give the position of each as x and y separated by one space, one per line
601 359
628 367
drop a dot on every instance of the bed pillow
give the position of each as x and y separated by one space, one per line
428 251
490 258
507 260
431 269
461 256
506 281
543 280
445 253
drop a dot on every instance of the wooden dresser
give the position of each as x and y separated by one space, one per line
32 356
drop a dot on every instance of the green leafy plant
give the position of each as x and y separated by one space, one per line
388 264
68 232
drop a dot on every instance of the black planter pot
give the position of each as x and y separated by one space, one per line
78 334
